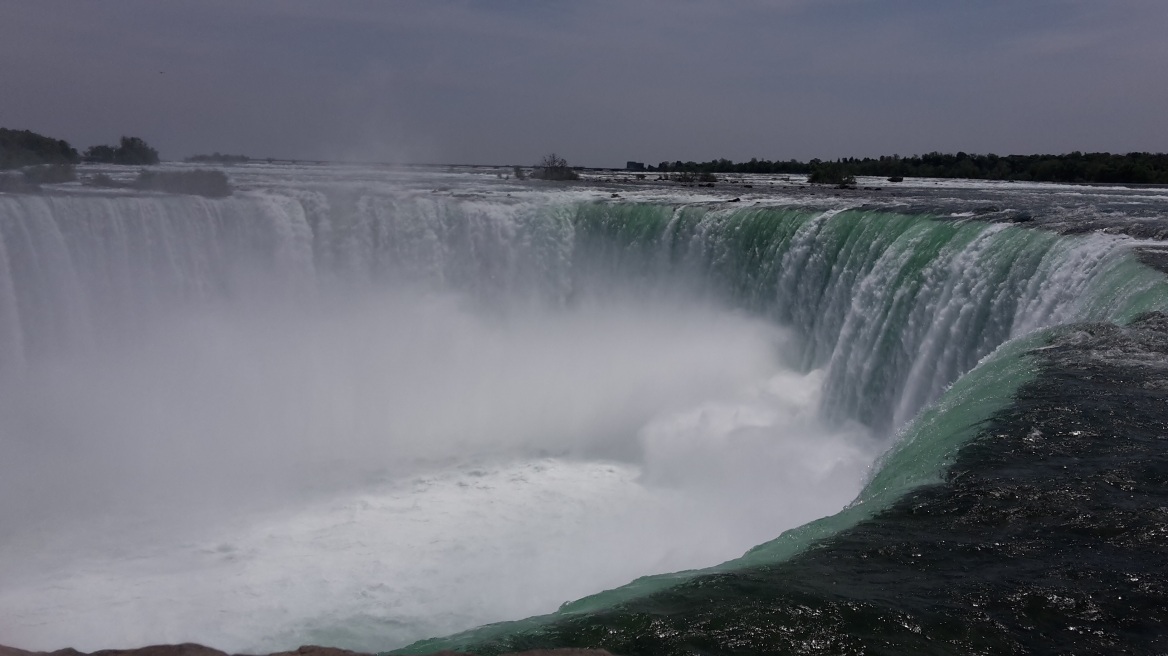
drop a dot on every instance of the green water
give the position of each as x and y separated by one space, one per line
923 324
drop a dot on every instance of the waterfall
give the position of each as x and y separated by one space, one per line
896 307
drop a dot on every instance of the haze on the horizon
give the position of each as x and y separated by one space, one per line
599 82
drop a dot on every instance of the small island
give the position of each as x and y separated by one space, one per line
38 160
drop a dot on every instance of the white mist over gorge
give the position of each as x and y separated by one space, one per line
363 407
403 444
241 423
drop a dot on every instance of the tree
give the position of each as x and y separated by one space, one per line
136 152
131 151
831 173
25 148
100 154
554 167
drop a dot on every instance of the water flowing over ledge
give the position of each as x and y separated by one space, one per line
308 340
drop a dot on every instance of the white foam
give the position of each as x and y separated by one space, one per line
397 561
377 469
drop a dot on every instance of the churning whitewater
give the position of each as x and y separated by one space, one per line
362 407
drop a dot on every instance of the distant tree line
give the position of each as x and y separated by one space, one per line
131 151
219 158
43 160
21 148
1140 168
726 166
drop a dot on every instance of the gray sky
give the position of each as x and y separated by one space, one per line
599 82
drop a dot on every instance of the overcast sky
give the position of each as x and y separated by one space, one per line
599 82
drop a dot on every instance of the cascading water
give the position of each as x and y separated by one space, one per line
896 307
405 412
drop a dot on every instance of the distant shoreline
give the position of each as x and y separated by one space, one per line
1139 170
24 148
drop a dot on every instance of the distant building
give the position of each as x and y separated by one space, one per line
634 166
